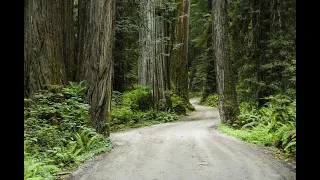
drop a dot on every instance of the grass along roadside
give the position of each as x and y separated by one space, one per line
259 137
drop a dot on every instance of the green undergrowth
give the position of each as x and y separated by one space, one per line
211 100
133 109
195 94
58 133
273 125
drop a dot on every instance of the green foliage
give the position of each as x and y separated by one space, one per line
138 99
121 115
74 90
86 139
51 116
212 100
264 62
195 94
64 156
117 98
178 106
158 116
58 131
258 136
200 41
102 145
272 125
134 109
282 108
35 170
145 118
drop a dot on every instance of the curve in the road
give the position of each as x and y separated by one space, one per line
190 149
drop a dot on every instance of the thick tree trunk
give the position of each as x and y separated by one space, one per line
96 41
152 61
179 56
48 45
228 107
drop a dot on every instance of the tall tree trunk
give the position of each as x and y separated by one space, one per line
179 57
228 107
48 45
96 41
152 61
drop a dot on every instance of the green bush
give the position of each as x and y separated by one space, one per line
58 130
178 106
86 139
212 100
158 116
64 155
138 99
52 117
195 94
116 100
121 115
36 169
134 109
272 125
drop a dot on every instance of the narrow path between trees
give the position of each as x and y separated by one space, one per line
191 149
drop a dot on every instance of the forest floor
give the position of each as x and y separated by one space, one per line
189 149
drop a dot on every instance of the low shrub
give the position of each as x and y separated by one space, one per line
178 106
58 130
272 125
158 116
121 115
195 94
134 109
212 100
138 99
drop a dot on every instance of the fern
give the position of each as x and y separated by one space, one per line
293 143
86 139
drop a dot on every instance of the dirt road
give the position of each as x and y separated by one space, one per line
191 149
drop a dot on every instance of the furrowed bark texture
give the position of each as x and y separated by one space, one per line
96 41
179 56
48 44
152 61
228 107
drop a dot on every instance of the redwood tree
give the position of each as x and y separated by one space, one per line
228 108
152 61
96 41
179 53
48 43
